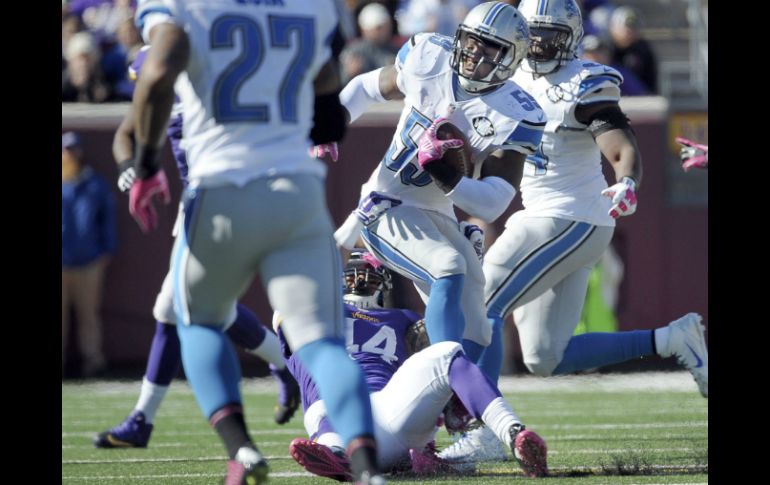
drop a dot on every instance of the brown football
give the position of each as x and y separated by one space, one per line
459 158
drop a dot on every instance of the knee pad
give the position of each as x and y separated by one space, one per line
440 354
163 310
448 262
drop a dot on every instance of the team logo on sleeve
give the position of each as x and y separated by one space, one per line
483 126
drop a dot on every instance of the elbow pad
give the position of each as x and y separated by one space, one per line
486 199
361 92
329 122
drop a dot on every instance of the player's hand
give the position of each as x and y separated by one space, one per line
623 195
140 200
332 149
374 205
127 175
475 235
693 154
430 148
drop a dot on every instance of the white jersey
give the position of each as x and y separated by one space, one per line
506 118
564 178
247 93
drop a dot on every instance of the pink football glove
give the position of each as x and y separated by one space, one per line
140 203
332 149
623 195
431 148
693 154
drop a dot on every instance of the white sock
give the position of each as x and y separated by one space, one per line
270 350
150 398
499 417
247 456
661 341
330 440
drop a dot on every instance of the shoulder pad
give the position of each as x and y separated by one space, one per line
421 54
526 136
598 83
150 13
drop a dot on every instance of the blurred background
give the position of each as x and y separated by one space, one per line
657 272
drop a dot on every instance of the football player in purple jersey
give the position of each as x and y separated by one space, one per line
165 357
410 384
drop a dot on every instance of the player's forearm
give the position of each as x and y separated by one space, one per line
154 93
629 164
619 147
123 141
361 92
153 108
486 199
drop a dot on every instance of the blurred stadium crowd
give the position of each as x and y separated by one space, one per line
100 40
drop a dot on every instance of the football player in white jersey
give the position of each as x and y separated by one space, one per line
255 201
407 206
539 266
165 355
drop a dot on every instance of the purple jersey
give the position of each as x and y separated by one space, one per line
375 338
174 131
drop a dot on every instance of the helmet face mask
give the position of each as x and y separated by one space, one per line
556 28
489 45
549 43
479 57
365 284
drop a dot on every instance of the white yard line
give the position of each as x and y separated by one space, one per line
636 381
177 475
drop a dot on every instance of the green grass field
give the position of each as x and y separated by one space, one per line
649 428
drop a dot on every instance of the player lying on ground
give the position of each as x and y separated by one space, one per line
409 387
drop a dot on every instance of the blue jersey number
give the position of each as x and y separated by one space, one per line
395 159
525 99
539 160
227 108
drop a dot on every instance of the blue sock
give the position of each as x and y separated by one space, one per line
472 350
246 331
444 317
165 356
211 366
492 359
591 350
341 385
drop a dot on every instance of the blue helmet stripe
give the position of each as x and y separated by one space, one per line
493 12
542 6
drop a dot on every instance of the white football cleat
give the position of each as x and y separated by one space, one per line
687 343
478 445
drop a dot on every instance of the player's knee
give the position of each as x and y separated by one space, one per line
163 311
442 350
448 262
541 367
436 360
485 336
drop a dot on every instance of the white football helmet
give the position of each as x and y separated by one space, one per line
498 25
556 28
